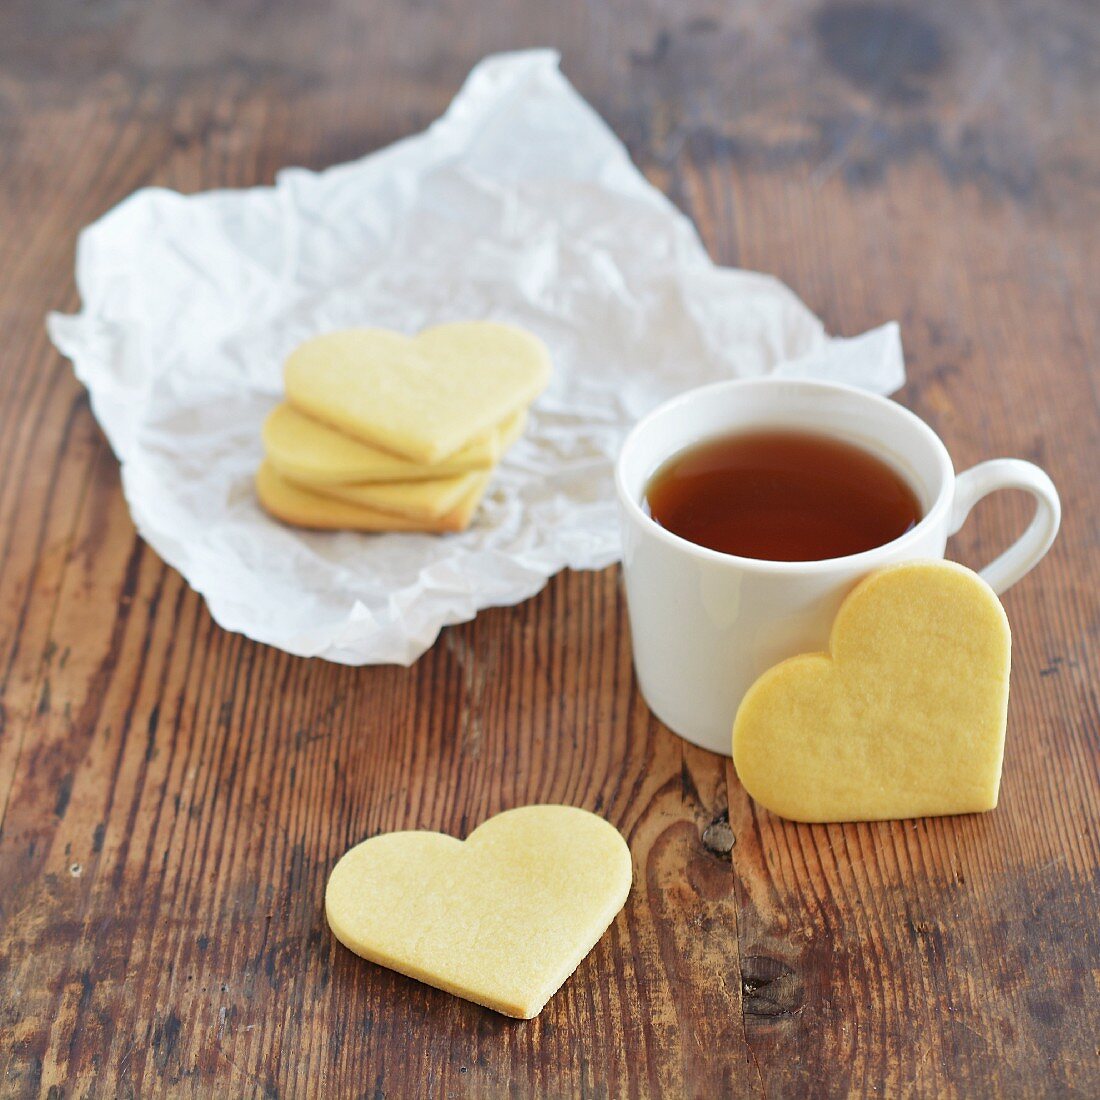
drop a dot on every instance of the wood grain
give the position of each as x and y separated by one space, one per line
172 797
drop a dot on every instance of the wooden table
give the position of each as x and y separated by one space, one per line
172 796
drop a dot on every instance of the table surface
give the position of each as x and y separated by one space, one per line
172 797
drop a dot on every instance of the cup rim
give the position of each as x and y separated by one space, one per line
935 514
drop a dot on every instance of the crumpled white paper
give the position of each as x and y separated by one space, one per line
520 205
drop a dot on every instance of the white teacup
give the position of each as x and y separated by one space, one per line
706 624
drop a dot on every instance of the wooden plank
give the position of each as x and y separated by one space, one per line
172 797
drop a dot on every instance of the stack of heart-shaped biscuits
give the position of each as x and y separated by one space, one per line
386 432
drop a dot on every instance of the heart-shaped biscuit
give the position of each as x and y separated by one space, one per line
502 918
421 397
420 500
311 453
301 507
905 717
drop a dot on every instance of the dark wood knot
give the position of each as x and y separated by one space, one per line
718 838
769 987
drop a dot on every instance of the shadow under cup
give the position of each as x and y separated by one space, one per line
706 624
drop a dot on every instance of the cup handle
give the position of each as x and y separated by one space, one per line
1027 551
